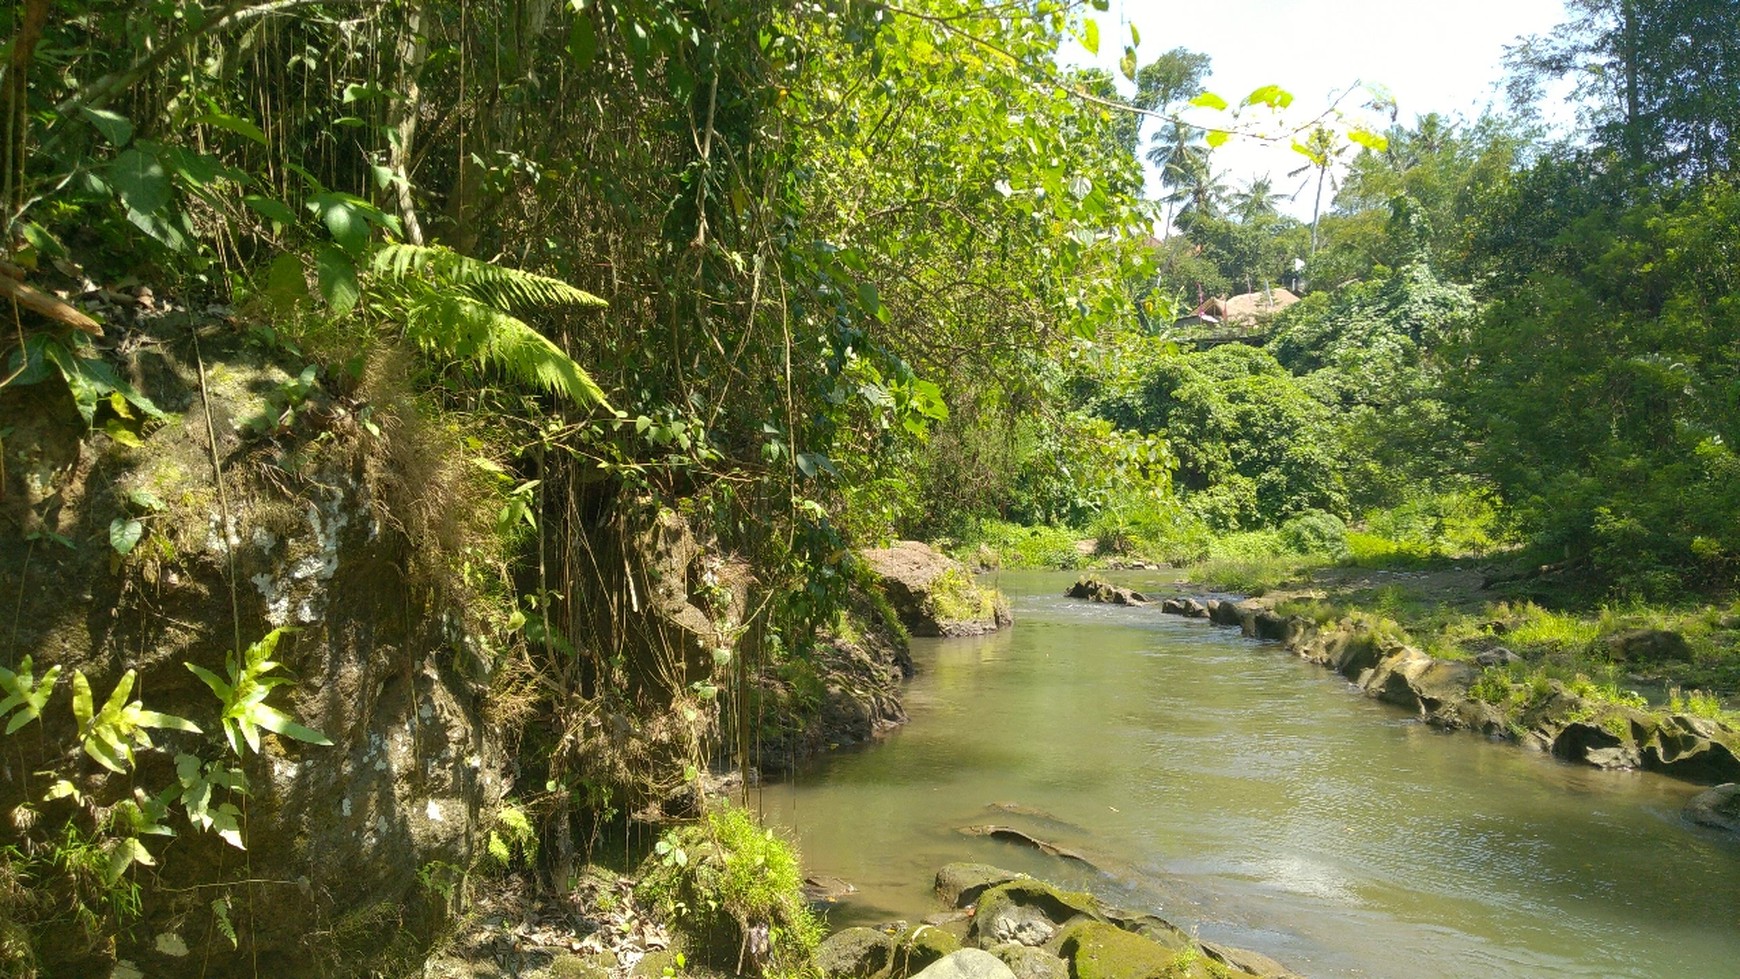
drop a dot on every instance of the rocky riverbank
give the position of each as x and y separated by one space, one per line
997 924
1476 694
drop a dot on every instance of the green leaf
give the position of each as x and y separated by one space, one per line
158 226
344 218
271 209
1127 64
1216 138
234 124
278 722
1135 37
82 706
146 500
114 127
140 180
1090 35
1208 100
1376 142
337 278
582 40
1273 96
286 283
124 533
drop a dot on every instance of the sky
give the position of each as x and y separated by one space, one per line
1430 56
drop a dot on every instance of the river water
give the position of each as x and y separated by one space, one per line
1256 799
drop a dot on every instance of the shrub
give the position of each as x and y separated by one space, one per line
722 881
1316 532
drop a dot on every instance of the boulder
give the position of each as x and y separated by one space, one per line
1497 656
918 947
1097 950
934 594
1648 646
1095 590
968 963
1031 963
1267 624
855 953
960 884
1226 613
1717 808
1028 912
1242 960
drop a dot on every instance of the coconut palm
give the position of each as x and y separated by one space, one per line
1257 199
1324 149
1177 151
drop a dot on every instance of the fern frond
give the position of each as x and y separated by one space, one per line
461 327
494 285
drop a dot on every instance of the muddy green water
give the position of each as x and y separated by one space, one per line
1241 792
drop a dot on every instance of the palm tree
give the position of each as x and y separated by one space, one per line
1324 151
1177 152
1200 191
1257 199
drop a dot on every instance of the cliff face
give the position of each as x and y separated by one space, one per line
122 552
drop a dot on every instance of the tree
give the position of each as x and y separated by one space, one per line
1257 199
1178 151
1656 79
1324 149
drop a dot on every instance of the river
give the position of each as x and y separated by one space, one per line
1241 792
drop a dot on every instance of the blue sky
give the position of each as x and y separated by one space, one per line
1431 57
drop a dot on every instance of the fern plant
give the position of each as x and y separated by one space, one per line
463 309
25 693
244 693
110 734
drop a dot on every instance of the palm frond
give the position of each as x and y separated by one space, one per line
460 327
460 308
495 285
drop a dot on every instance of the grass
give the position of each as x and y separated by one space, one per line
1012 546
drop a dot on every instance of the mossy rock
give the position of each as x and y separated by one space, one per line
594 966
919 946
1029 912
1031 963
855 953
1097 950
961 884
652 965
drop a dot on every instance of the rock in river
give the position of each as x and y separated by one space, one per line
934 594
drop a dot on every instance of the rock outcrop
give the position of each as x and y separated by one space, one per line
314 524
934 594
1717 808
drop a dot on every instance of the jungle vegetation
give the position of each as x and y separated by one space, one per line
821 274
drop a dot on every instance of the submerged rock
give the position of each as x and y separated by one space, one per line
1717 808
1095 590
934 594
